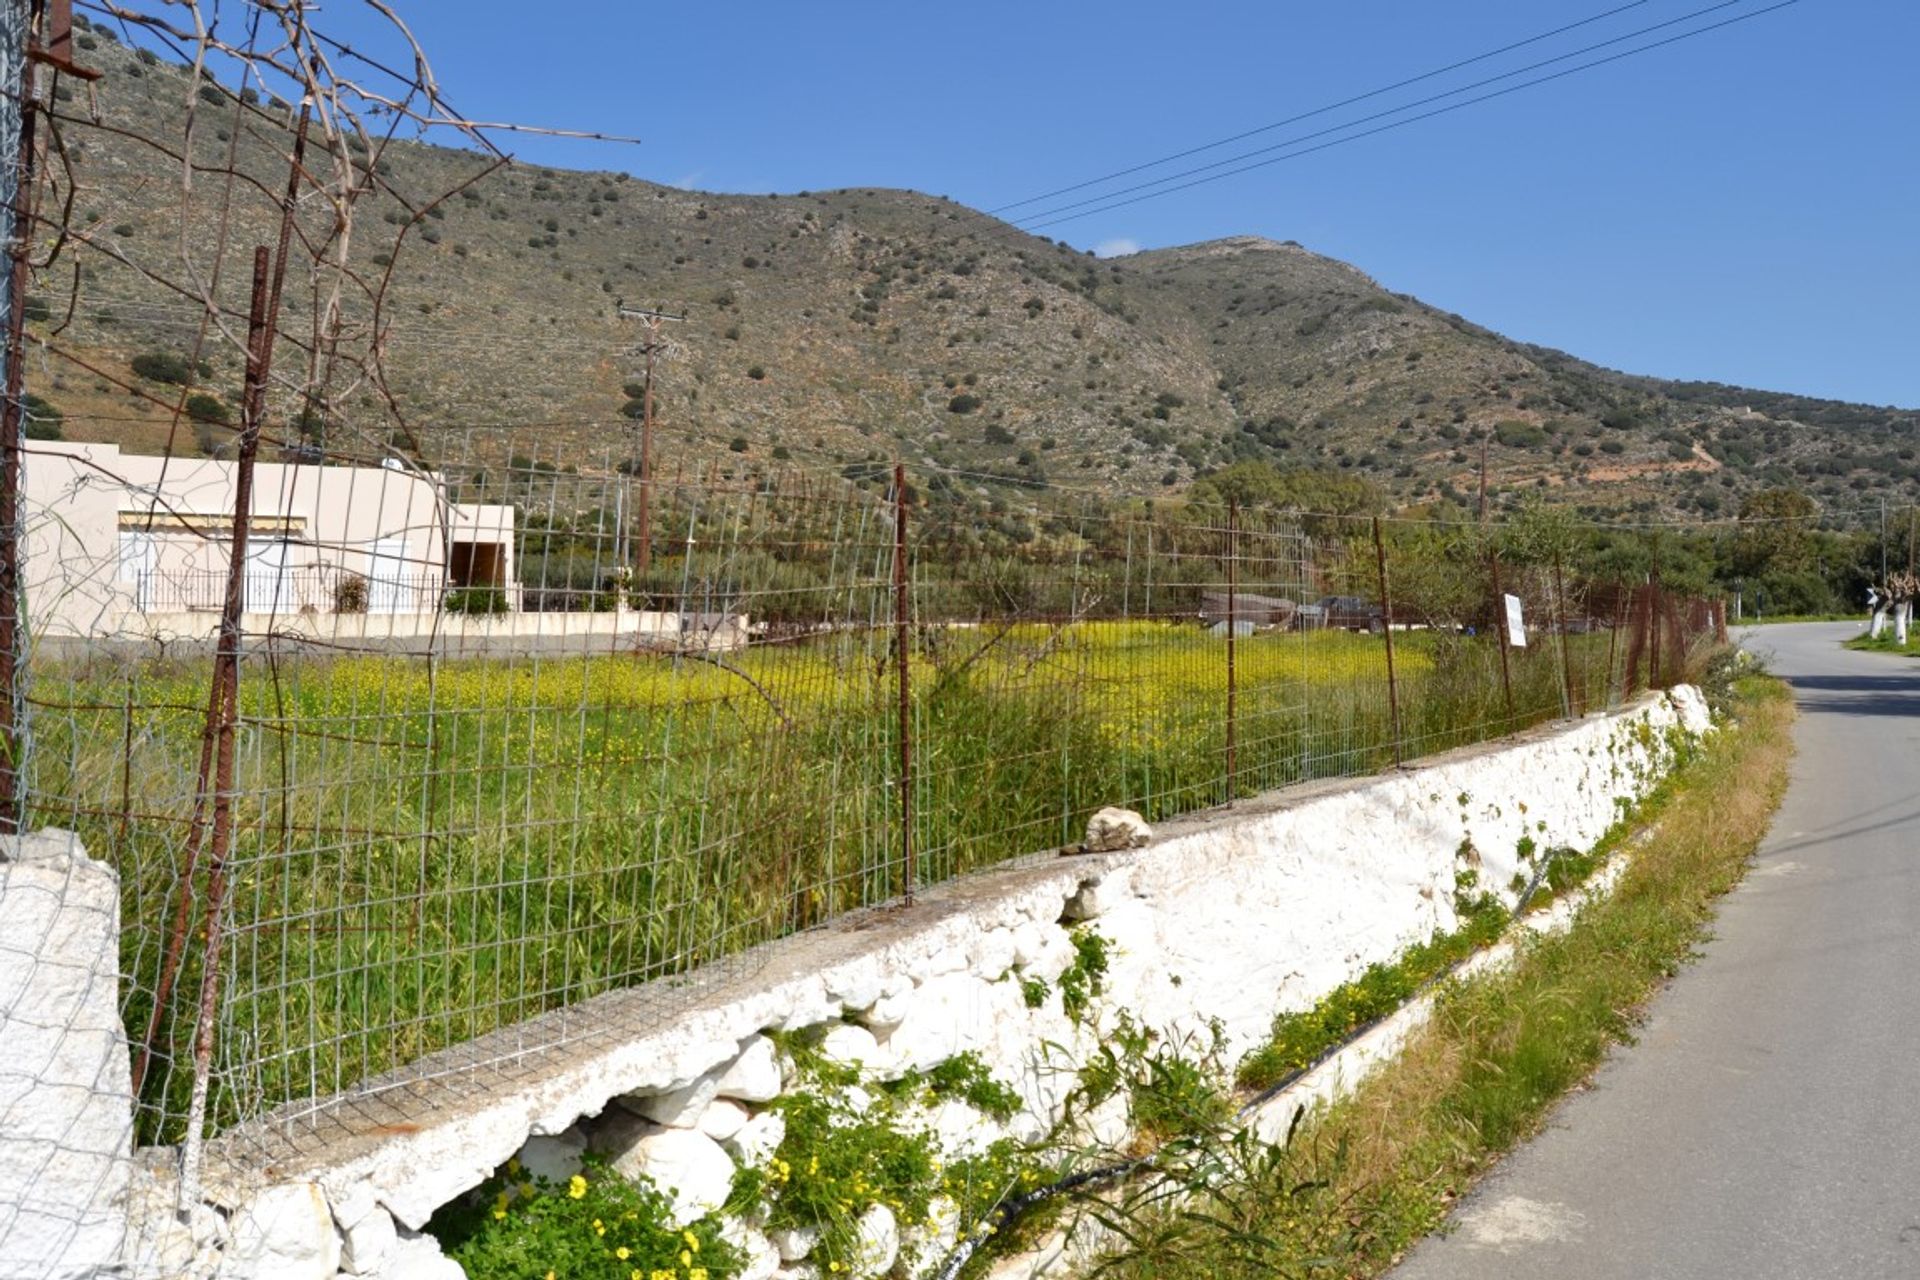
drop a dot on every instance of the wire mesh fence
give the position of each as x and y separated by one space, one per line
398 734
483 761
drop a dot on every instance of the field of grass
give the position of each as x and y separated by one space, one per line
425 851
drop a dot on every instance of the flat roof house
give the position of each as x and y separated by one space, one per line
120 543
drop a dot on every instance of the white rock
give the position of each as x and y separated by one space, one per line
367 1243
158 1243
1113 828
724 1119
851 1046
992 954
888 1012
555 1158
758 1139
794 1243
754 1076
876 1241
762 1259
1691 706
691 1168
285 1232
1101 895
797 1271
66 1106
1054 956
678 1108
418 1257
1028 942
858 986
960 1130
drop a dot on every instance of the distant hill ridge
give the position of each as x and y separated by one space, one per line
842 328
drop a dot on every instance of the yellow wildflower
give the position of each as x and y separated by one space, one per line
576 1187
513 1165
623 1253
686 1258
693 1241
696 1273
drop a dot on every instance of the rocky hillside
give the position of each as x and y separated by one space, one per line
839 329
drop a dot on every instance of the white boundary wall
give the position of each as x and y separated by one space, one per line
1234 915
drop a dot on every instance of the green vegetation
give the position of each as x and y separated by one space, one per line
1299 1039
166 366
597 1226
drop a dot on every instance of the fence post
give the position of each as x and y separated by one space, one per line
1233 585
17 125
1386 625
1571 694
1656 677
1613 643
902 642
1500 637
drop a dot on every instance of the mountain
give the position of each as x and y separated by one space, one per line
840 329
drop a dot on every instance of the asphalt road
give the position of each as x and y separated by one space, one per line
1766 1124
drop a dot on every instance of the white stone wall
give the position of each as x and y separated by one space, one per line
66 1103
1231 917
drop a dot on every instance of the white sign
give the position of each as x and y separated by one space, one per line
1516 625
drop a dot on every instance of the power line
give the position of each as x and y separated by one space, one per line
1390 111
1031 227
1318 111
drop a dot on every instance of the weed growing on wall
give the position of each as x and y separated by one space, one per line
1084 978
596 1226
1300 1039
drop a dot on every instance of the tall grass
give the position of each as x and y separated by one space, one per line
428 850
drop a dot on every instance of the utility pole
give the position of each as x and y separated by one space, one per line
651 347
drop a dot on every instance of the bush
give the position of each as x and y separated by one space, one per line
1518 435
756 372
965 402
37 308
595 1226
997 434
164 366
202 407
350 594
634 408
477 601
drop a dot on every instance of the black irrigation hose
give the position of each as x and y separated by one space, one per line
1008 1211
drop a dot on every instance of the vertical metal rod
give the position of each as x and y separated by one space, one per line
16 178
1233 687
1613 643
1386 615
1569 693
226 679
902 651
1500 636
646 464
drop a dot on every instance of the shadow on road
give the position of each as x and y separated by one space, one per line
1889 695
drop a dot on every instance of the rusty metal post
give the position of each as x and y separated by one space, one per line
1386 625
902 651
1613 643
18 226
1233 688
226 679
1500 636
1570 694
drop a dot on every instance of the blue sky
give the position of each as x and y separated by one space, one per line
1742 207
